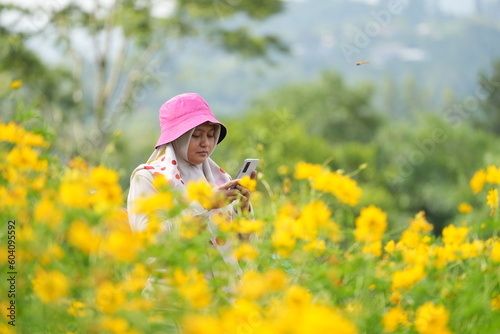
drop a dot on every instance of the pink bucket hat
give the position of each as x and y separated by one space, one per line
182 113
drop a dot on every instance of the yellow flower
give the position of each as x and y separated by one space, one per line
478 180
371 224
464 208
50 286
81 236
431 319
283 240
121 244
394 318
16 84
341 186
154 204
7 329
315 246
253 285
495 303
319 319
193 287
444 255
246 226
493 175
113 325
101 177
15 133
200 324
390 247
304 170
495 252
31 139
245 252
74 190
25 158
420 223
248 183
406 278
472 250
136 279
275 279
77 309
492 200
105 190
373 248
109 297
201 192
297 295
46 211
395 297
454 235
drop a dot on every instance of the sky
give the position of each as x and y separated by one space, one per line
458 7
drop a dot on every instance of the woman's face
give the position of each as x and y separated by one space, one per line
202 143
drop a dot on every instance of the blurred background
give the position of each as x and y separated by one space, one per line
408 87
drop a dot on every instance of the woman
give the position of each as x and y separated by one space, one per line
189 135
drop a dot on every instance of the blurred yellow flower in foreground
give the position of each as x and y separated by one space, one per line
495 303
304 170
478 180
431 319
454 235
201 192
464 208
193 287
245 252
114 325
50 286
420 223
371 224
83 237
121 244
495 252
16 134
109 297
77 309
394 318
406 278
492 200
248 183
16 84
493 174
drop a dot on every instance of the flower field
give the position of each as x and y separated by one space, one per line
310 261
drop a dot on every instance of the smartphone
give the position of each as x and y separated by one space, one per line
249 165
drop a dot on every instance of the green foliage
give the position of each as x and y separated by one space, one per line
101 85
410 164
275 137
328 108
490 94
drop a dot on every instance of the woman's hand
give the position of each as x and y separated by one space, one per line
231 191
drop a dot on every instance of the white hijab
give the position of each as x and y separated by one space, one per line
171 161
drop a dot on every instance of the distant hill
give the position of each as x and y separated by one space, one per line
422 43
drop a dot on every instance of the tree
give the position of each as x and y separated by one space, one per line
490 104
328 108
126 40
